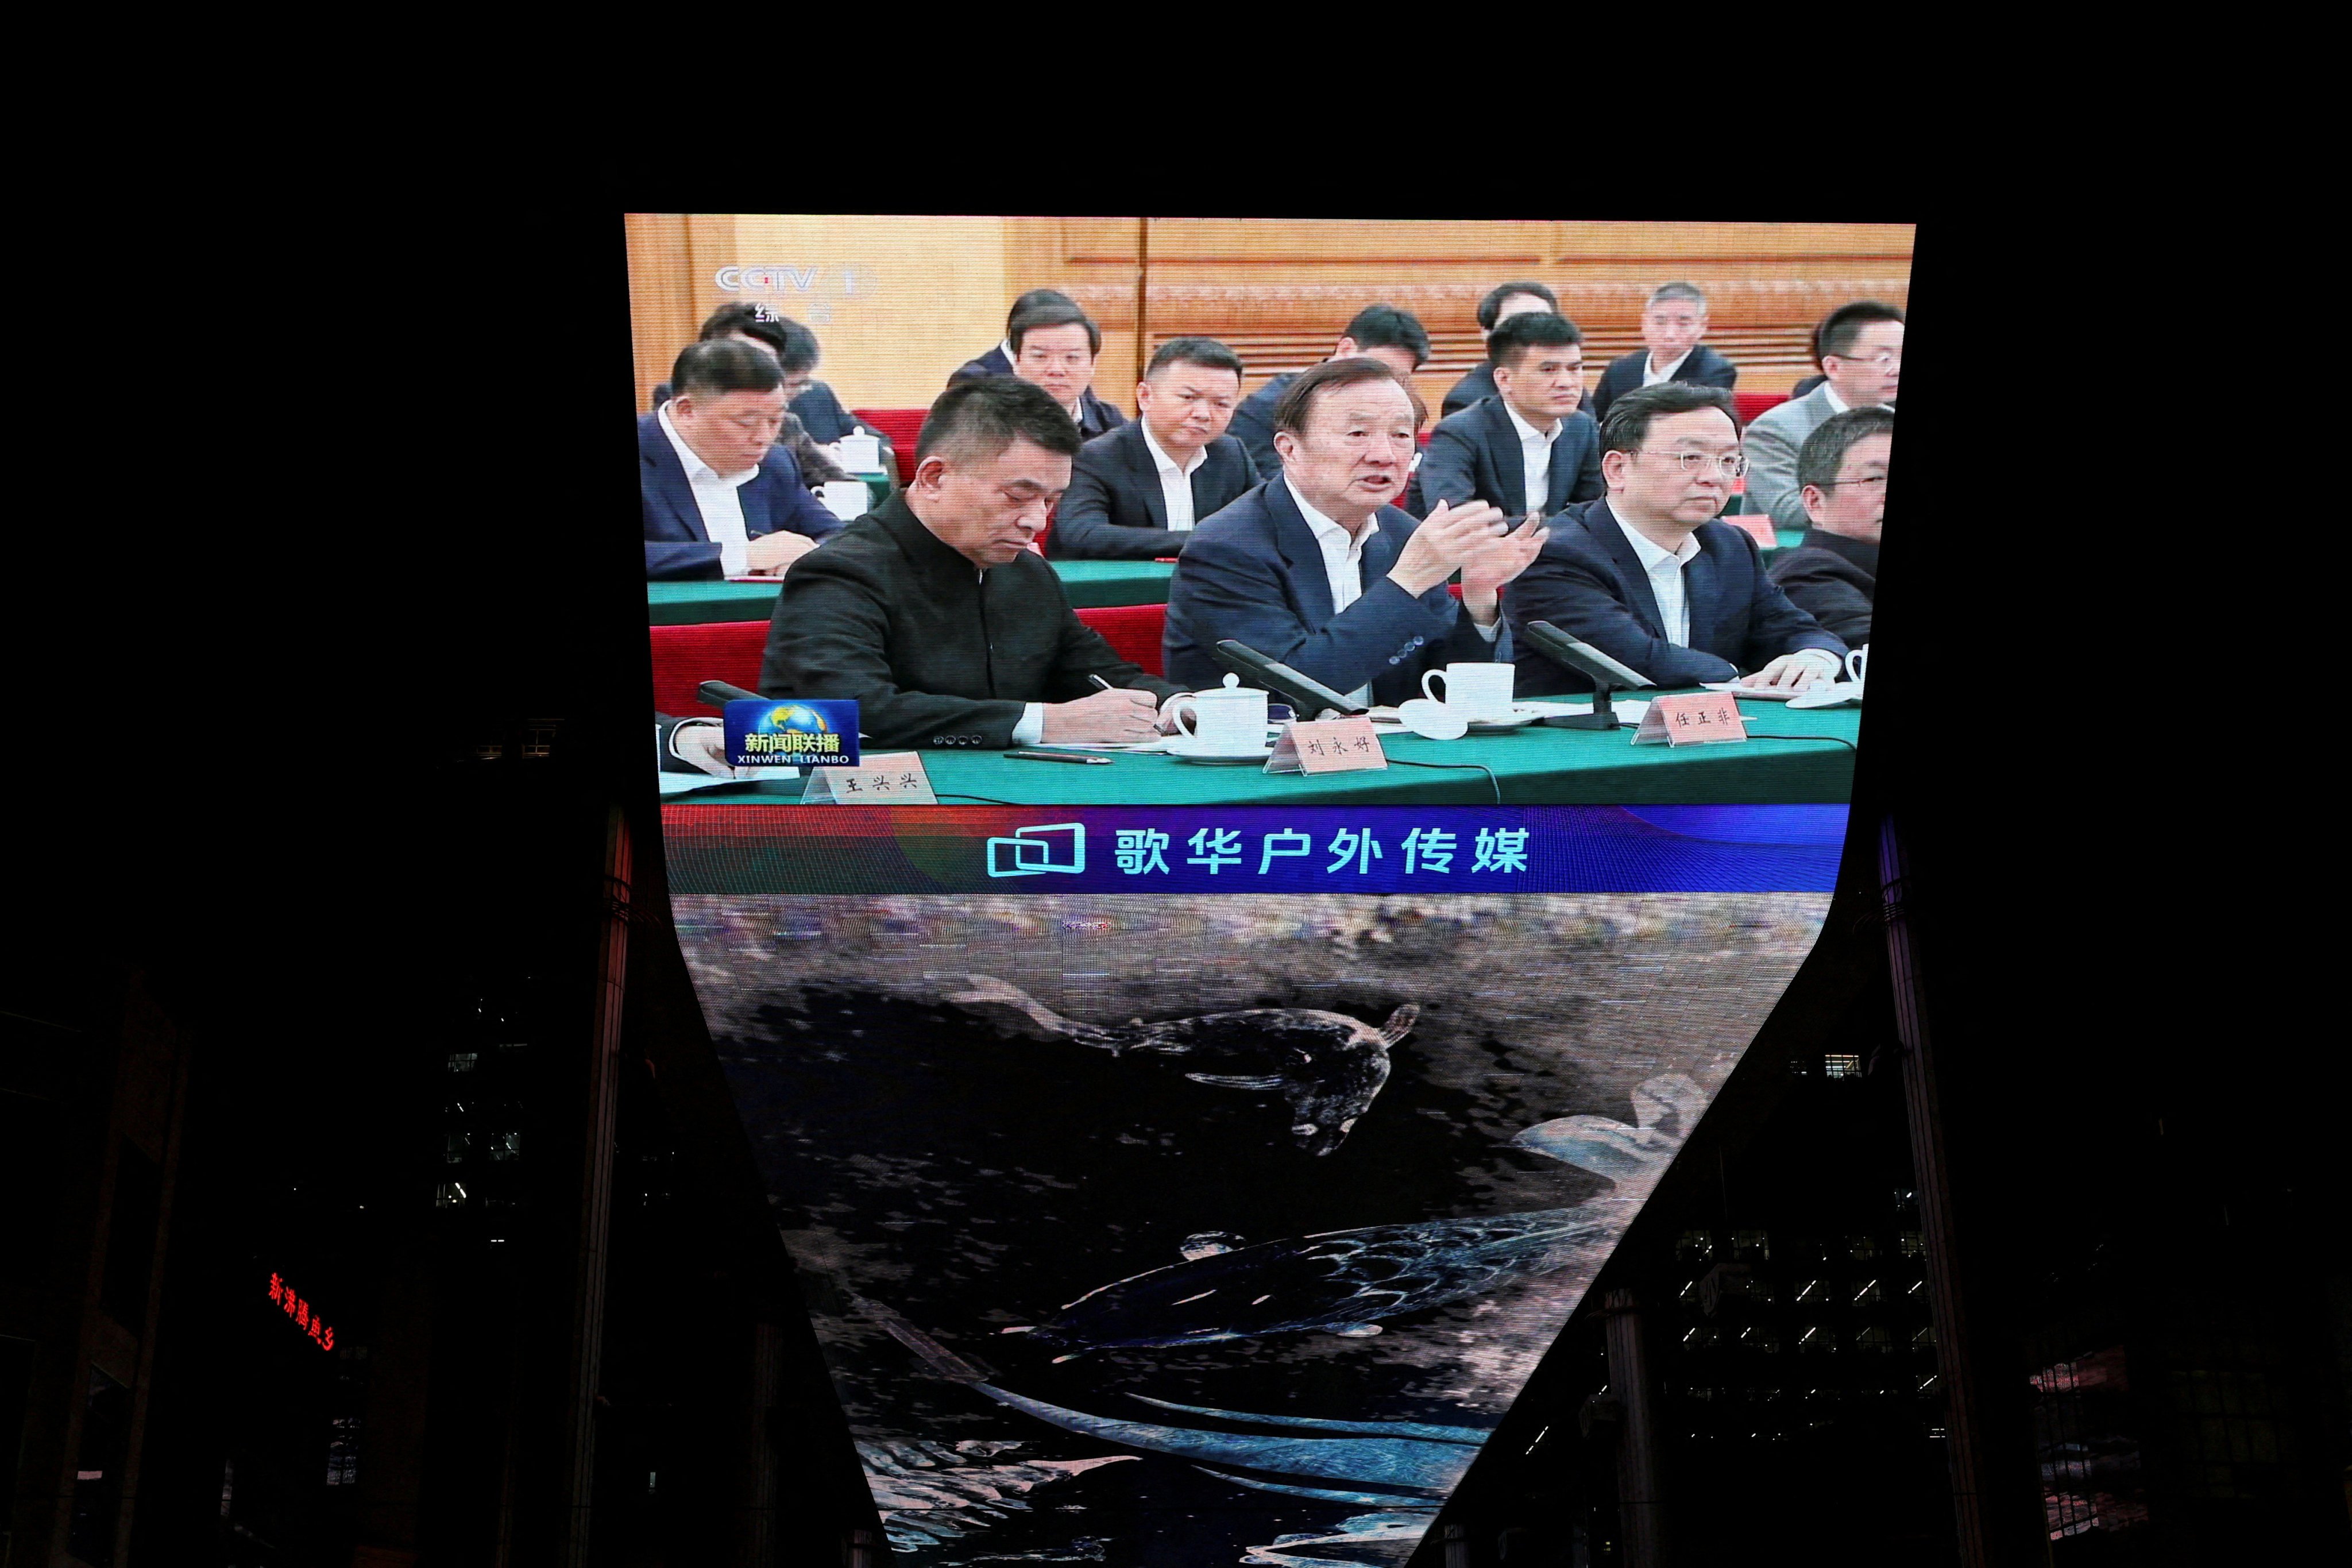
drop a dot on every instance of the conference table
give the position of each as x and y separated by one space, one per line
1536 765
1091 584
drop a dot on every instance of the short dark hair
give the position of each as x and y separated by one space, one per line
717 366
1297 402
1492 305
1823 453
1527 330
1627 424
1838 330
1033 299
1386 327
1206 353
1064 315
981 418
794 345
1690 291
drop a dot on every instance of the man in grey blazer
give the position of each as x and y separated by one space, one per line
1861 358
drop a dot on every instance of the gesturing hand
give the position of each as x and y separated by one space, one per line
773 555
1498 560
1447 539
1107 718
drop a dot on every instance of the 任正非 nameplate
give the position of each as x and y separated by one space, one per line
1703 720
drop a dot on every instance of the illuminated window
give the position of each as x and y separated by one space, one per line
1760 1338
1874 1339
462 1061
1819 1337
455 1151
1861 1248
506 1146
1918 1289
450 1196
539 738
1935 1431
1704 1337
1751 1246
1696 1246
1840 1064
1913 1244
1927 1386
1907 1200
1690 1292
1867 1290
1925 1340
1812 1290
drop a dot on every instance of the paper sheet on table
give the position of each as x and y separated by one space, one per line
1629 709
1761 693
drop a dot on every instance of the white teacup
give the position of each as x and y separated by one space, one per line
1479 692
1223 719
1856 662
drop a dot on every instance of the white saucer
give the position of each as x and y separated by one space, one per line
1521 716
1189 751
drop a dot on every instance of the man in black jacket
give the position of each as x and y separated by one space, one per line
998 361
1499 306
1646 575
1841 475
936 617
1136 493
1673 322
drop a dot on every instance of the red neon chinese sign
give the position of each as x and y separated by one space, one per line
299 1311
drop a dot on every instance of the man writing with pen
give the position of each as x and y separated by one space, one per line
933 614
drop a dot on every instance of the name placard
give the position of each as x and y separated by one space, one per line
805 734
1703 720
1327 746
886 778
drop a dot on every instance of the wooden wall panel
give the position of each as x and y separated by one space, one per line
899 302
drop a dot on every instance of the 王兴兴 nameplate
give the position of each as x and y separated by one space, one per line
1327 746
886 778
1702 719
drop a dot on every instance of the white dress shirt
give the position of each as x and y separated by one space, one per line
1657 378
1175 483
717 499
1665 570
1343 568
1535 455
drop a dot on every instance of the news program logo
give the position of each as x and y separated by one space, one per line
793 734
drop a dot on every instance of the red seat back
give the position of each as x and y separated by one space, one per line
903 425
1752 403
1133 630
686 656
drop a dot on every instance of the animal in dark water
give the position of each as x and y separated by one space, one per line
1342 1282
1327 1067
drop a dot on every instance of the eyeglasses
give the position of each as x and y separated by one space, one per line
1882 360
1875 482
1733 466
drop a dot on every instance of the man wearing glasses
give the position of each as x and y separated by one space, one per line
1841 474
1648 576
1861 349
721 498
1320 568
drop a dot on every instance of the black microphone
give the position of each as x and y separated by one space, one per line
1306 694
1587 660
718 694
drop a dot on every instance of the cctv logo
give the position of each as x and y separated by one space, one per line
1023 855
744 279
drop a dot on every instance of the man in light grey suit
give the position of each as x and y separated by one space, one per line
1861 349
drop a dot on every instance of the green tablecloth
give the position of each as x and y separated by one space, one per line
1534 766
1089 583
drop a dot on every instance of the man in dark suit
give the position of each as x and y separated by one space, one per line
935 616
817 420
1395 338
1673 322
1136 493
1646 575
1055 347
998 361
1530 448
1832 575
1499 306
1319 568
719 496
